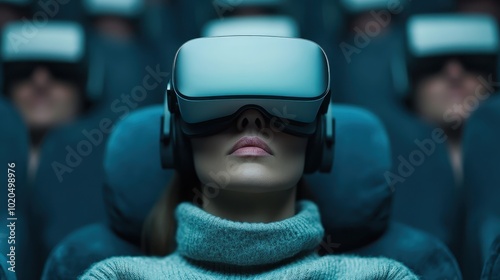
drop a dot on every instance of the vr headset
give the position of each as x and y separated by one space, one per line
431 40
215 79
60 46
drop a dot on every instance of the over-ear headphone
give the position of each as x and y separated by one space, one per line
176 151
319 153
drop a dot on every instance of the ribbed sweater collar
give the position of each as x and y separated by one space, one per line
204 237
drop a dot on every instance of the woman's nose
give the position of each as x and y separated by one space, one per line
250 119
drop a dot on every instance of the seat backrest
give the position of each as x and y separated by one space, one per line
131 75
67 190
14 157
362 155
127 205
127 72
481 153
354 198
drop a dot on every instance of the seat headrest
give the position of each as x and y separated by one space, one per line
123 8
134 178
355 199
448 34
57 41
281 26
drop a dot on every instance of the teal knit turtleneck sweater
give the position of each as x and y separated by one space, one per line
209 247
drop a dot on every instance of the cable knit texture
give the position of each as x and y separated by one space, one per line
209 247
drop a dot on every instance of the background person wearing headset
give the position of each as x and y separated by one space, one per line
452 76
258 224
45 78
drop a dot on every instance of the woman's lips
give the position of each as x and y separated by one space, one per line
250 146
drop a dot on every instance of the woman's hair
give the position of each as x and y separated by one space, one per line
158 231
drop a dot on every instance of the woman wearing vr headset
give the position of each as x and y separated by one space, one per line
246 117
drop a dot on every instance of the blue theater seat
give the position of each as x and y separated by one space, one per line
127 205
482 180
67 191
356 209
354 200
128 75
124 66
